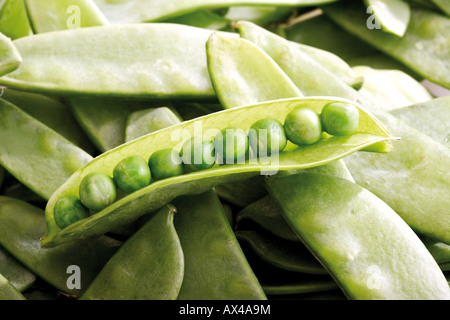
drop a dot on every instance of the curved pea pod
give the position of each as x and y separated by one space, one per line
391 89
7 290
49 15
130 11
390 15
300 287
161 192
32 152
215 266
261 15
148 266
443 5
202 19
430 117
51 112
14 21
343 231
21 226
306 66
423 48
440 251
140 123
10 58
141 71
280 253
16 273
232 64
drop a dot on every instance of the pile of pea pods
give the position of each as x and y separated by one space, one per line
360 214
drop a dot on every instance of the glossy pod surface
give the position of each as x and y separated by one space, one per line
394 266
131 207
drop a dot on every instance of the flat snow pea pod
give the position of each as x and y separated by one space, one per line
14 21
49 15
32 152
440 251
130 11
51 112
261 15
390 88
343 230
267 214
443 5
97 65
143 122
105 120
308 286
242 59
148 266
10 58
391 15
8 291
21 226
280 253
413 179
202 19
215 266
16 273
423 48
297 60
430 117
156 194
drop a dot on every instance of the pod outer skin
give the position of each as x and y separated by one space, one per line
369 250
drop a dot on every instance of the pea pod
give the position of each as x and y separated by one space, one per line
32 152
422 116
131 11
7 290
286 255
215 266
343 233
89 68
14 21
393 15
51 112
148 266
10 58
156 194
426 30
49 15
21 227
301 287
18 275
443 5
390 88
202 19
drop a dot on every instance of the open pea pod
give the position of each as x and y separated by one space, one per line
96 63
130 207
423 48
343 231
10 58
148 266
215 266
21 225
36 155
131 11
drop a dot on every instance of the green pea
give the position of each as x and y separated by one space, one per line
97 191
198 154
267 136
165 163
231 145
132 174
302 126
68 210
340 119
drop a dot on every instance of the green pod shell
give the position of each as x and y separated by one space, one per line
10 58
129 208
148 266
343 232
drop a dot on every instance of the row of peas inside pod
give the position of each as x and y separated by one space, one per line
266 137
